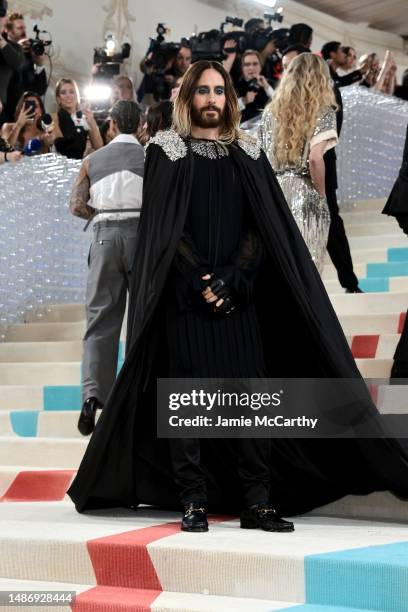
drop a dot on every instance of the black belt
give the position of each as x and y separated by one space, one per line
102 211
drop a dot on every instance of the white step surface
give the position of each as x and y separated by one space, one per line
44 452
372 303
362 324
51 373
67 350
43 332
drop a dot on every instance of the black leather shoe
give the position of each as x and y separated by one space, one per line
264 517
354 290
86 422
194 517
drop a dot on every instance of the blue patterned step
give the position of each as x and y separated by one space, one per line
397 268
371 285
397 254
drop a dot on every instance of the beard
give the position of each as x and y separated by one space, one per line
199 119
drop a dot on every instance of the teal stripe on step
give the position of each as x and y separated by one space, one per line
372 578
395 254
24 422
62 398
371 285
317 608
121 351
398 268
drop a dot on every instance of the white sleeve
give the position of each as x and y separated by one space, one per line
326 129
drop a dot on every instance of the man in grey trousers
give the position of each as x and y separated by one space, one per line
108 190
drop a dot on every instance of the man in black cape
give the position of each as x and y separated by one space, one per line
293 330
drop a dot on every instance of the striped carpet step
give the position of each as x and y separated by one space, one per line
363 324
44 452
376 204
41 484
378 241
375 346
36 352
372 303
117 599
396 284
40 373
374 368
145 550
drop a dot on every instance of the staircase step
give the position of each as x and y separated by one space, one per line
43 424
44 452
359 324
225 562
356 217
373 303
45 332
374 368
118 599
41 351
40 373
61 313
373 229
397 239
373 204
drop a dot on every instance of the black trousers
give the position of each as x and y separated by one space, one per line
253 459
337 245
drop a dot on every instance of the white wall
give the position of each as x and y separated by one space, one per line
78 26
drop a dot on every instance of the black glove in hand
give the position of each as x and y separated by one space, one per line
222 292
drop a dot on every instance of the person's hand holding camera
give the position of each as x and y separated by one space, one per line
89 116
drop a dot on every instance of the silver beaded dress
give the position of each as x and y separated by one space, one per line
309 208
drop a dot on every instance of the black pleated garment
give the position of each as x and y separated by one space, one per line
200 343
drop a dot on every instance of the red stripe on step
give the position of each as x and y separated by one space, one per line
44 485
401 322
364 347
112 599
373 390
123 560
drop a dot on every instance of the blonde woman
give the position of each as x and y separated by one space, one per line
297 128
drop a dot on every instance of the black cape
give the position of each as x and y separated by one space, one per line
397 203
124 463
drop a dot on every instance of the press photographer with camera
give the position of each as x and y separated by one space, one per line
164 63
33 130
253 89
73 125
32 75
11 58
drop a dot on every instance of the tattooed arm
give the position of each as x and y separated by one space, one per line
78 203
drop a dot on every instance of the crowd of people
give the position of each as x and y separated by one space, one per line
72 130
226 212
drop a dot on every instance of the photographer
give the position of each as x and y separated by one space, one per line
253 89
32 75
11 58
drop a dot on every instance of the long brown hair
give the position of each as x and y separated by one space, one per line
229 129
305 89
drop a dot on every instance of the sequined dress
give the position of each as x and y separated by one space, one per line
309 208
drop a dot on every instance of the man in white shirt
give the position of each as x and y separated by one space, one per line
109 191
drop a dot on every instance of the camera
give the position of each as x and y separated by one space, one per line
108 62
253 85
159 54
38 44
